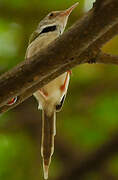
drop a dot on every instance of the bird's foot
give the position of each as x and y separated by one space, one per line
92 61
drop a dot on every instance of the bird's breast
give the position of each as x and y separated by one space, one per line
41 42
53 91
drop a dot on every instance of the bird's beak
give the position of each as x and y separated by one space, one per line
68 11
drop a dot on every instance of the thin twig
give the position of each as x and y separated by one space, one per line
107 59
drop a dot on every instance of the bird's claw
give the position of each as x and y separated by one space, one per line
92 61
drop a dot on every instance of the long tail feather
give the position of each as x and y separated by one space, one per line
48 133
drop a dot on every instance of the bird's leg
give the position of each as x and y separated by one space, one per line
63 87
43 93
12 101
92 61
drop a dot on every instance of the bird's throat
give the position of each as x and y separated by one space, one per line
49 29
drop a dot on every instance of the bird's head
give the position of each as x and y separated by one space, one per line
57 19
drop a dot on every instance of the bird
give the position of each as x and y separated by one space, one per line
51 96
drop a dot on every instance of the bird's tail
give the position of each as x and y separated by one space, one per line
48 133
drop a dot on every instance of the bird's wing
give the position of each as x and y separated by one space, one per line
59 106
64 88
33 36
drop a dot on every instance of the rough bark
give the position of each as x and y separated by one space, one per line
80 44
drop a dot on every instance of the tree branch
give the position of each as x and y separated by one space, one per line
98 4
101 58
107 59
80 44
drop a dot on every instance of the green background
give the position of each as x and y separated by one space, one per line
90 114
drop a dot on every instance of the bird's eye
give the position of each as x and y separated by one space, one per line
51 14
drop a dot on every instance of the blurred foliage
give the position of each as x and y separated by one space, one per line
89 116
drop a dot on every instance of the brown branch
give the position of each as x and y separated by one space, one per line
98 4
80 44
101 58
107 59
